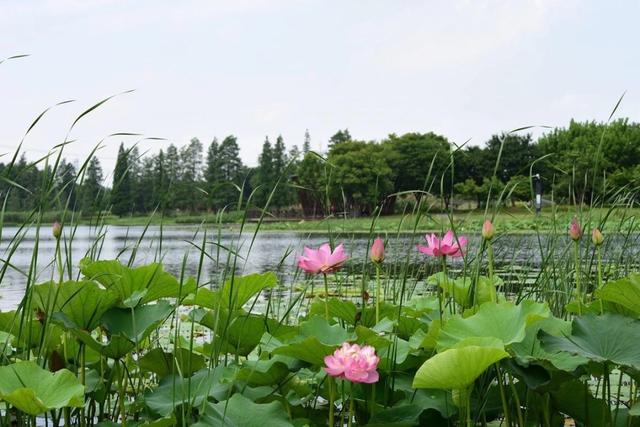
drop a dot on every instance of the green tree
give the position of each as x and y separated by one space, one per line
160 181
311 183
188 194
264 177
173 175
66 185
213 175
92 193
121 197
339 137
232 176
306 145
583 154
362 178
283 195
418 159
468 189
518 152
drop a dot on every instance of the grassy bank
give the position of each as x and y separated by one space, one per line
517 220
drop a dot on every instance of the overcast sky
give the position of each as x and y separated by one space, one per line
466 69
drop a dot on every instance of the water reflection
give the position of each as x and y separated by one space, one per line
178 247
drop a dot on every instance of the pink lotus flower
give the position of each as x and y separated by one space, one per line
377 251
354 363
575 231
448 246
322 260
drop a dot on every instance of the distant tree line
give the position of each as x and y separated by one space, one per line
582 161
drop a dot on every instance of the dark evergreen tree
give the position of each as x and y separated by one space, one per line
213 174
188 194
66 185
92 191
306 145
121 200
172 174
160 182
232 178
282 196
263 178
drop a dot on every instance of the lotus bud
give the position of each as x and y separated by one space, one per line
56 230
377 251
596 237
487 230
575 232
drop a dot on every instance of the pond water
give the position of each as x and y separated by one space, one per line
178 248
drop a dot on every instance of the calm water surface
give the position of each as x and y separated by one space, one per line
178 246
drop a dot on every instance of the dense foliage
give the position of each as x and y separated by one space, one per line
137 346
582 162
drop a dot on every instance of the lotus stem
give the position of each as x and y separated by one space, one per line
123 413
440 290
490 259
350 421
326 296
576 258
503 398
331 401
377 294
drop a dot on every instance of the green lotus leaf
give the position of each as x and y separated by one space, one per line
126 327
31 332
338 309
181 362
34 390
236 292
625 292
175 390
117 347
610 338
457 368
74 304
309 350
243 412
327 334
574 399
460 289
397 416
316 339
137 323
505 321
370 337
136 286
530 349
238 332
266 372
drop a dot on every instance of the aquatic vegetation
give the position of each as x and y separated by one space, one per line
131 344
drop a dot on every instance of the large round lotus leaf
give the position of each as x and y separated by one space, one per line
74 304
625 292
530 350
135 286
34 390
610 338
505 321
457 368
241 411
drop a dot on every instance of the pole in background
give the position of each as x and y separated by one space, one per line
538 190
